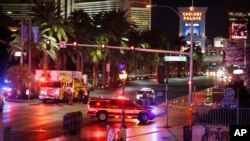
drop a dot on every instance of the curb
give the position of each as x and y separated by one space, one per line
20 100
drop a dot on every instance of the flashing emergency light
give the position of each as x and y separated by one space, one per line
42 79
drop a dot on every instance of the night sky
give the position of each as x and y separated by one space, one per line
217 23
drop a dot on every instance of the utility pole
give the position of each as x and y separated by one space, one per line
30 64
190 82
21 42
166 103
30 38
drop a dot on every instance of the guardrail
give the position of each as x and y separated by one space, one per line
221 116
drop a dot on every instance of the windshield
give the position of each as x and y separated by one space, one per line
51 84
142 92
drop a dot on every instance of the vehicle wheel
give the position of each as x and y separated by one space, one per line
102 115
143 117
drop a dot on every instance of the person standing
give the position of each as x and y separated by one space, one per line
111 134
80 96
122 134
70 96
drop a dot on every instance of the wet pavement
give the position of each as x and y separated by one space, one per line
166 128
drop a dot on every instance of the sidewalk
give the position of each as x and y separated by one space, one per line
179 116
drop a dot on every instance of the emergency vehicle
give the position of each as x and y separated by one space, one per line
104 108
54 84
149 93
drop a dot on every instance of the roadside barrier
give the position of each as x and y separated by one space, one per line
72 123
187 133
221 115
5 133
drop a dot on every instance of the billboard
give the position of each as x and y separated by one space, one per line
187 27
238 30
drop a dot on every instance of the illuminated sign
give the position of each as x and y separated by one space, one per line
187 27
175 58
192 16
239 30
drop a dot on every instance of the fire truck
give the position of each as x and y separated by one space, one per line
55 83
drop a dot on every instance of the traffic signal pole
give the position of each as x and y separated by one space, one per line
135 49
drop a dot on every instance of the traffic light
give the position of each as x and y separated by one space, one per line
75 44
48 44
103 47
132 49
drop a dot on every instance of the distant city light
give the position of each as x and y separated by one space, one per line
9 12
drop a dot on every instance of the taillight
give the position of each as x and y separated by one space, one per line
98 104
9 94
121 97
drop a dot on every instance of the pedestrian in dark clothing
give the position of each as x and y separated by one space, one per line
80 96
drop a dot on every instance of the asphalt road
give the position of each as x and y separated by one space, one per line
36 121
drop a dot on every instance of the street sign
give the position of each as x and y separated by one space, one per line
62 44
175 58
108 67
229 98
229 93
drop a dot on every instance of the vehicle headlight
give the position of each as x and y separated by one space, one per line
138 96
7 89
154 111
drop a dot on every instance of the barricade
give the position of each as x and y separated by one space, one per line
5 133
78 121
187 133
72 123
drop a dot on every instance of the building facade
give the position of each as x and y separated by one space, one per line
197 18
136 9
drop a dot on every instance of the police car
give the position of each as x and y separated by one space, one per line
148 92
104 108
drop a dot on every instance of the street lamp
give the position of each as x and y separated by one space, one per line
123 77
190 80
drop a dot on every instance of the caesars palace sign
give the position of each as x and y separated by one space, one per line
195 16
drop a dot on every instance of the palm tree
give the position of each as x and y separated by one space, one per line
82 24
47 15
156 40
197 58
115 26
180 44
